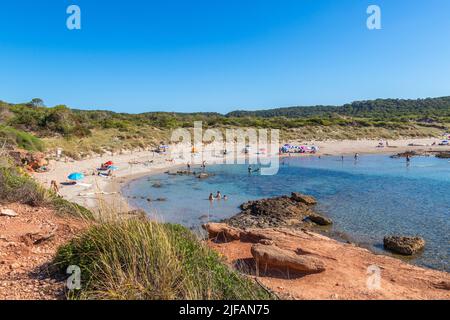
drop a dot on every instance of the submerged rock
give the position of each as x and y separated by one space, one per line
443 155
204 175
404 245
407 154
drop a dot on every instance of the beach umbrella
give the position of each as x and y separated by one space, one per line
75 176
109 163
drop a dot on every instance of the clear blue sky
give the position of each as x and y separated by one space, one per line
217 55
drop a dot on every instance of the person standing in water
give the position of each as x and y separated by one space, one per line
249 169
211 197
218 195
356 156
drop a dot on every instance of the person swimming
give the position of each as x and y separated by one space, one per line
225 197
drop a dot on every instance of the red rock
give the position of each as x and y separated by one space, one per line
222 232
276 257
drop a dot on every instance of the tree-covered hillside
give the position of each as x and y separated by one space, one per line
392 109
25 124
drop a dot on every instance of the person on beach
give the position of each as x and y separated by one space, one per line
218 195
54 187
188 166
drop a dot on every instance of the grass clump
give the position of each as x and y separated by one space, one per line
140 259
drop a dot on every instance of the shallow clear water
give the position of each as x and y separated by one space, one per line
367 199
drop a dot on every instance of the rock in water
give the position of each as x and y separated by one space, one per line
320 220
283 211
272 256
443 155
404 245
308 200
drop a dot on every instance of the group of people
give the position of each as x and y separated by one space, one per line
218 196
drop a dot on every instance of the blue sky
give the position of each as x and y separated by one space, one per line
204 55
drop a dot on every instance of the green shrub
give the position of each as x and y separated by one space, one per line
137 259
16 187
21 139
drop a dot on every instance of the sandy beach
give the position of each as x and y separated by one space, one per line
132 165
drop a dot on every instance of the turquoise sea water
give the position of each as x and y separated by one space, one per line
367 199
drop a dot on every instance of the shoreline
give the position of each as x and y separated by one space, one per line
134 165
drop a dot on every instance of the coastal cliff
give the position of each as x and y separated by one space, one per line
300 264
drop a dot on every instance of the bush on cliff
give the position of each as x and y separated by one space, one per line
135 259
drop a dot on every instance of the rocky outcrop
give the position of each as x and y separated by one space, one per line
408 154
222 232
308 200
320 220
273 256
346 268
281 211
404 245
